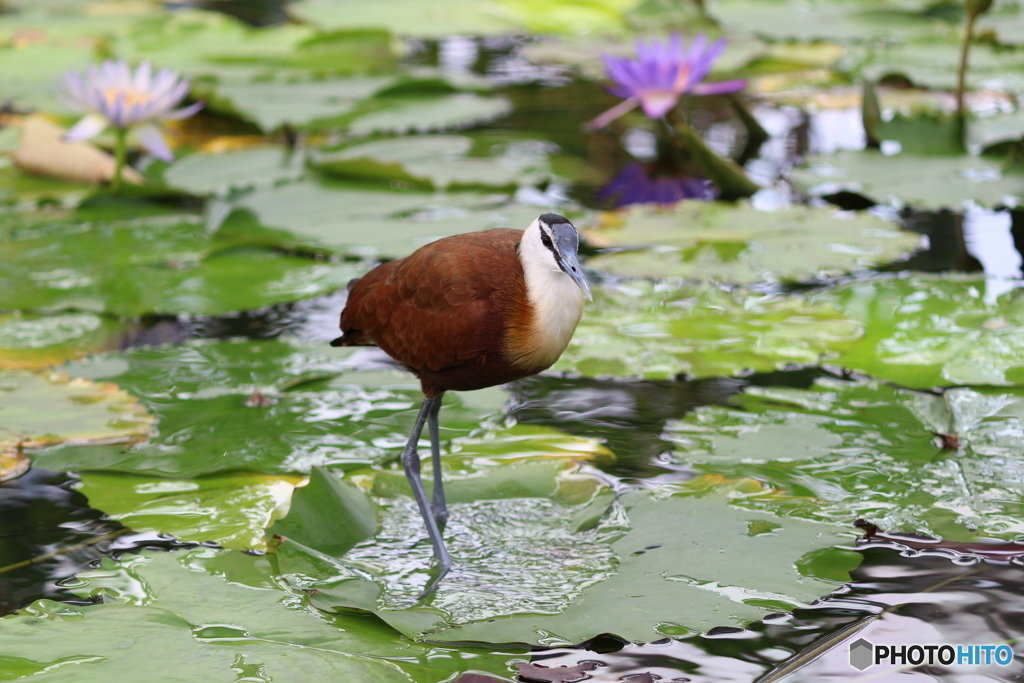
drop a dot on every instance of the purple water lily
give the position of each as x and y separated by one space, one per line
115 96
661 74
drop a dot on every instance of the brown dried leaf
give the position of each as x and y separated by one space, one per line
43 152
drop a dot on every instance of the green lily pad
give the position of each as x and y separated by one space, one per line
929 182
867 449
668 557
153 265
934 63
419 18
222 613
641 329
268 406
705 240
33 342
932 331
427 113
43 409
327 497
270 103
218 174
440 161
231 510
374 223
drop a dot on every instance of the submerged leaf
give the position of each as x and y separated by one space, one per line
666 556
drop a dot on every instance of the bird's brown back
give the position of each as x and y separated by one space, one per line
443 310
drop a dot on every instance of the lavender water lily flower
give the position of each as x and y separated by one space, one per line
113 95
661 74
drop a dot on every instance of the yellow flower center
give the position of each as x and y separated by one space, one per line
682 79
131 96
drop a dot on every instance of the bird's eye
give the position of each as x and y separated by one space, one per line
546 240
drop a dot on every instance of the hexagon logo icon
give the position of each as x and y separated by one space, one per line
862 654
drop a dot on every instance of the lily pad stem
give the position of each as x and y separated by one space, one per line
121 135
974 9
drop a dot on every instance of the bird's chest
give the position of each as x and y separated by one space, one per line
545 321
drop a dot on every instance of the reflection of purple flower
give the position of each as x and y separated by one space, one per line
114 96
661 74
637 184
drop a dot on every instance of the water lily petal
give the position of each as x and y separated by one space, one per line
184 112
153 140
612 114
89 126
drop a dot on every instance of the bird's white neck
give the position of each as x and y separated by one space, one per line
556 301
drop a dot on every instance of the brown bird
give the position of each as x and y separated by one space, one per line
464 313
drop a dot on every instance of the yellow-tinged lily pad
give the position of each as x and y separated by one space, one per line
33 342
231 510
530 442
42 409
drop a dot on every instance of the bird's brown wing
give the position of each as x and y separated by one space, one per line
443 305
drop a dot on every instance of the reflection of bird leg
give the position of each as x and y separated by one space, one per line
438 504
411 462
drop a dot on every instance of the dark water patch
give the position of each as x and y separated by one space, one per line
630 416
897 597
48 533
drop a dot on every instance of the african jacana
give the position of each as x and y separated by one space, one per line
467 312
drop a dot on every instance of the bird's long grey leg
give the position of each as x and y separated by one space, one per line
411 462
438 504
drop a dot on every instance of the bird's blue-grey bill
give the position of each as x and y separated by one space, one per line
567 242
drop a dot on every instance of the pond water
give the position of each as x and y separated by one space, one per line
675 500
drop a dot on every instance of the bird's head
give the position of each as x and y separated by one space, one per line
552 242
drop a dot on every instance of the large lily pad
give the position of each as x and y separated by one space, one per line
263 406
440 161
231 510
705 240
867 449
42 409
156 265
933 331
243 169
667 559
427 113
654 331
270 103
372 222
219 611
930 182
